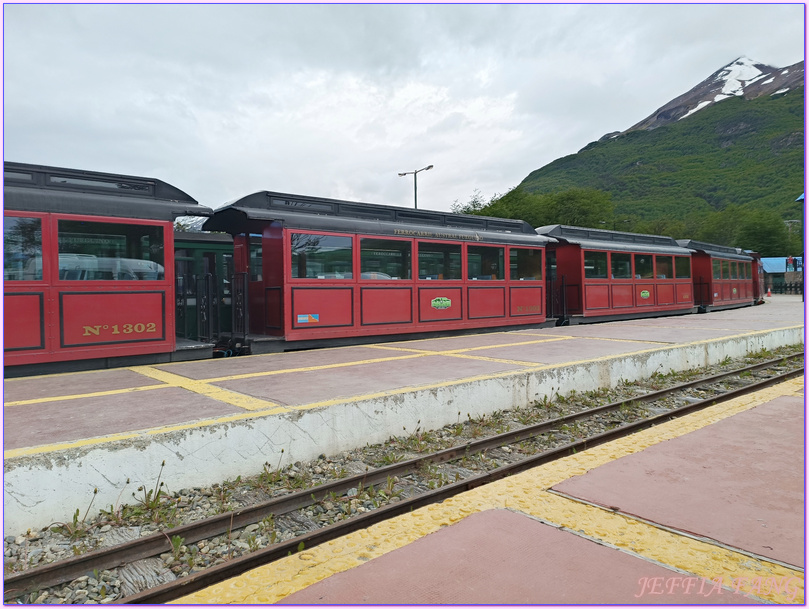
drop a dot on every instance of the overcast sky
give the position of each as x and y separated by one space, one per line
336 100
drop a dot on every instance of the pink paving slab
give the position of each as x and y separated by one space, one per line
501 557
70 420
739 481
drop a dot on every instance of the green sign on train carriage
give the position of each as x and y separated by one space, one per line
441 303
645 294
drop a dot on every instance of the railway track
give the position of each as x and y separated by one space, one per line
471 464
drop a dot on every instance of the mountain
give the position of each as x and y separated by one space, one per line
734 140
742 77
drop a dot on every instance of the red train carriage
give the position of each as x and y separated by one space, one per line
326 269
724 277
599 275
88 265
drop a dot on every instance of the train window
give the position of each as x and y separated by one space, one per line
132 187
717 269
682 267
595 265
665 267
439 261
18 175
385 259
321 256
726 269
22 249
621 265
525 264
643 266
485 262
93 251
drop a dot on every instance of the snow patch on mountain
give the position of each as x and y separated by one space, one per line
742 77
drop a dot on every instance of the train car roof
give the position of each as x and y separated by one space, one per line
45 189
600 239
251 214
723 251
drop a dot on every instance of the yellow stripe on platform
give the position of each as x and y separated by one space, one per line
233 398
77 396
527 493
247 375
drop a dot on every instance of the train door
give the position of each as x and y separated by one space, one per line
555 292
184 294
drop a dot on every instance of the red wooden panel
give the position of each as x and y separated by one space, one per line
645 295
622 296
487 302
272 302
596 297
526 301
726 291
665 294
104 318
684 293
322 307
386 306
23 321
440 304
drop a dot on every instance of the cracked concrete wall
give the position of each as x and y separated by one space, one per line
49 487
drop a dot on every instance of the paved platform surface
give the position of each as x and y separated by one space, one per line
706 509
67 435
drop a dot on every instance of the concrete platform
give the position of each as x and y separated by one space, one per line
739 482
704 504
66 435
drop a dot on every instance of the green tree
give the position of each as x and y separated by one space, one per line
763 231
586 207
474 206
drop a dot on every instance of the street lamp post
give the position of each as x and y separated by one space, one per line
415 184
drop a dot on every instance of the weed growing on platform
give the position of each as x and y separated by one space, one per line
151 497
77 528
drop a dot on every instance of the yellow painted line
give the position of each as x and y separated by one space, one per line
247 375
233 398
527 493
76 396
49 448
550 339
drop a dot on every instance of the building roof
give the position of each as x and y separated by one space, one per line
779 264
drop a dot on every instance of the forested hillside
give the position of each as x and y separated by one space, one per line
728 174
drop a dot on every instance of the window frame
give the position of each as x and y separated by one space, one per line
481 277
596 255
409 242
639 276
631 274
516 249
44 247
453 244
289 255
677 273
166 247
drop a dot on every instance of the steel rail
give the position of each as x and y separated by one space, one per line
61 572
203 579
